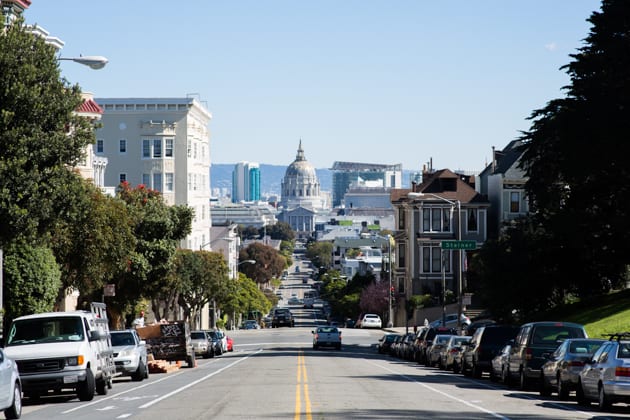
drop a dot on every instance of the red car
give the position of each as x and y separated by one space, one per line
230 343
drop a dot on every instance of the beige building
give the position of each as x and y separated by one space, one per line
163 143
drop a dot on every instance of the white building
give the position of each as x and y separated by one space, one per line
163 143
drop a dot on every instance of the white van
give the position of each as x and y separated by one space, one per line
57 351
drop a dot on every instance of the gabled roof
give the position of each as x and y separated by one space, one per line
444 183
504 159
89 107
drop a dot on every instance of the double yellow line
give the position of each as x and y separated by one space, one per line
302 383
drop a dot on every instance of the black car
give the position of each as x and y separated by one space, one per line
385 342
484 345
282 317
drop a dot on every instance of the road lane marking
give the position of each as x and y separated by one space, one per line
302 385
180 389
429 387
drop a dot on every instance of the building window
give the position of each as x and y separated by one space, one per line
189 148
515 202
100 147
157 181
400 256
146 180
401 218
157 148
168 181
189 182
146 149
432 259
473 215
122 177
122 146
436 220
168 147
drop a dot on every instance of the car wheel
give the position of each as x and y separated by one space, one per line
545 389
315 346
101 386
338 346
493 376
579 395
15 411
475 371
139 374
603 401
563 390
456 367
85 390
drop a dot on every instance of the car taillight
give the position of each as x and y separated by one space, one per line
576 363
622 371
528 354
316 336
453 351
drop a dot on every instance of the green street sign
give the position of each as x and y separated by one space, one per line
465 245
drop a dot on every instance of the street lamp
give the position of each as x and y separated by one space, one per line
390 322
453 203
95 62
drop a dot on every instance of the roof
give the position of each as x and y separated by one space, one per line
442 183
90 106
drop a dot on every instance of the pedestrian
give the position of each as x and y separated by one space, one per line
139 322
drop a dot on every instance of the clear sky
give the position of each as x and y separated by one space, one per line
357 80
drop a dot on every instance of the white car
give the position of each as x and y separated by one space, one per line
130 354
10 388
371 321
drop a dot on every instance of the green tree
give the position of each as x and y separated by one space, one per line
31 280
41 136
281 231
320 253
158 228
244 296
269 262
575 157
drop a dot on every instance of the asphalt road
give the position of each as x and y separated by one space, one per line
275 374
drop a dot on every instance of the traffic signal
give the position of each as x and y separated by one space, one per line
391 291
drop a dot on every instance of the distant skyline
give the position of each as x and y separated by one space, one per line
358 80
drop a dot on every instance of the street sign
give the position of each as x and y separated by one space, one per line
464 245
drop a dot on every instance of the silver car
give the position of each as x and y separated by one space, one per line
10 388
130 354
606 377
562 368
202 344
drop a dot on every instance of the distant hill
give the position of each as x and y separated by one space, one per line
271 177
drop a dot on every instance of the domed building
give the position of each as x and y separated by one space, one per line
300 186
301 199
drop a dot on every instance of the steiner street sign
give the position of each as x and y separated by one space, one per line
459 245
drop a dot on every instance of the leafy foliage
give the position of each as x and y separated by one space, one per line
375 297
320 253
280 230
269 262
22 295
38 145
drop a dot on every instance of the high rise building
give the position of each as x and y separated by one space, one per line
346 174
246 182
163 143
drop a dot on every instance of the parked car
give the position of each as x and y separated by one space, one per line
451 321
10 388
561 370
434 355
484 345
426 340
202 344
532 341
385 342
453 347
217 342
474 325
606 377
326 337
499 364
130 354
250 324
230 343
371 321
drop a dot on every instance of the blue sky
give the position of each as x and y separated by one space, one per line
357 80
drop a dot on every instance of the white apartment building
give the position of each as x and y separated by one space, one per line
163 143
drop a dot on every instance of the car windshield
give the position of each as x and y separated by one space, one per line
197 335
327 330
42 330
584 347
122 339
553 334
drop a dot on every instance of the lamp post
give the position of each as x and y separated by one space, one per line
95 62
233 309
458 204
390 322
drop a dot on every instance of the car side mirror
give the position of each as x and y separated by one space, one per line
142 343
95 335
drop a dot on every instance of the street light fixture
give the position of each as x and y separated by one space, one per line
95 62
458 204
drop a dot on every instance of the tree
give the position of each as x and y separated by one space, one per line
281 231
375 297
41 136
158 228
575 158
244 296
269 262
93 243
22 294
320 253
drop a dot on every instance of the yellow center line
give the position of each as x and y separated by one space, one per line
302 379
